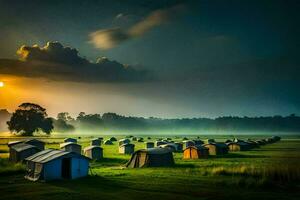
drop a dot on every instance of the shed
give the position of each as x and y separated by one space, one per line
124 141
70 140
153 157
34 142
188 143
19 152
238 146
126 148
93 152
96 142
149 145
53 164
217 148
195 152
71 147
108 142
113 139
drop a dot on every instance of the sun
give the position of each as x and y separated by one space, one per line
1 84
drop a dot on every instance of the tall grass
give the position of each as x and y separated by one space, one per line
282 174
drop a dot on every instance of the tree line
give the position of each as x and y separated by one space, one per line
31 118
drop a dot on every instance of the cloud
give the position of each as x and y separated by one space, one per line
56 62
109 38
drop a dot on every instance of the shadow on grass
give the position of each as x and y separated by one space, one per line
184 165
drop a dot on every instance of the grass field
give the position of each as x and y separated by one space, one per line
269 172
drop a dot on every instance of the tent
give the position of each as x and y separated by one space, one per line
19 152
124 141
153 157
70 140
217 148
113 139
140 139
149 145
71 147
195 152
95 142
93 152
53 164
108 142
126 148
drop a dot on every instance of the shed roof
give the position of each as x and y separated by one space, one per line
13 143
92 147
51 154
22 146
67 144
127 144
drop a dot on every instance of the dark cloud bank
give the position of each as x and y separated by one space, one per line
56 62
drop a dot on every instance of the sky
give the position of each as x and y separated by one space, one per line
168 59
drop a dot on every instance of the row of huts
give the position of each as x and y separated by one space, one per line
68 162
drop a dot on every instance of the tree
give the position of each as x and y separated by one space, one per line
62 123
30 118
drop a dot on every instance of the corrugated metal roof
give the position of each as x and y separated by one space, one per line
92 147
68 143
22 146
13 143
51 154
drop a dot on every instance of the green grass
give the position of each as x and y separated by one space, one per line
269 172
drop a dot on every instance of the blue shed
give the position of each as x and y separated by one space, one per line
53 164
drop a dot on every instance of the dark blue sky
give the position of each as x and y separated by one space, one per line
214 57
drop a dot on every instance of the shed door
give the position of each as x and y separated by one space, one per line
66 168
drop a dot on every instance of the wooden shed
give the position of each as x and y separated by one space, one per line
93 152
217 148
124 141
126 149
71 147
19 152
238 146
53 164
195 152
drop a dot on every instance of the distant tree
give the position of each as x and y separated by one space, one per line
62 123
30 118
